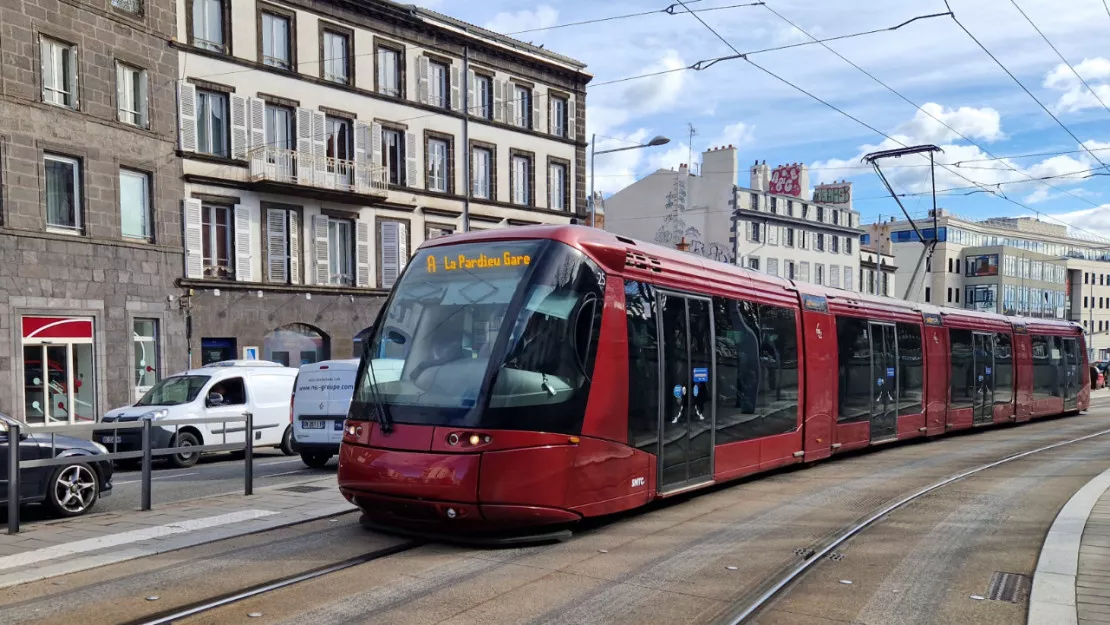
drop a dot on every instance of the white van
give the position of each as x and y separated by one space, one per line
223 389
321 398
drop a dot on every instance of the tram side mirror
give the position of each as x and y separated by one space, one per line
215 399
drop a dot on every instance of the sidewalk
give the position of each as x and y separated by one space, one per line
1071 585
54 548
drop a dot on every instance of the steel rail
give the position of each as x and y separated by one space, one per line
763 600
212 604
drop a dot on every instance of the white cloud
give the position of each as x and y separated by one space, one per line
1085 222
738 134
657 93
973 123
510 22
617 170
1074 96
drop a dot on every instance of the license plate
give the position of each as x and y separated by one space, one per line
111 439
312 425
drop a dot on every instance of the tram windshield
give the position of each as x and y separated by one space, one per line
492 335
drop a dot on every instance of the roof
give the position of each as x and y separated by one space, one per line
478 31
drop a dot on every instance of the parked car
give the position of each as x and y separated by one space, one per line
1098 378
69 490
223 389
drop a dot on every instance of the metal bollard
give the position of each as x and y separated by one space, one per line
147 461
248 478
13 478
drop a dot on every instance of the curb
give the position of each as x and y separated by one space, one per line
1052 600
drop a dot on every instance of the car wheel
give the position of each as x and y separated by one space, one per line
74 490
184 460
315 461
288 445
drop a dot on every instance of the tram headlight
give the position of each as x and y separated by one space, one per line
475 439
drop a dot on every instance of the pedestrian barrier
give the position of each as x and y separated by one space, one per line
15 434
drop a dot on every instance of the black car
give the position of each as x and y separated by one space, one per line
71 489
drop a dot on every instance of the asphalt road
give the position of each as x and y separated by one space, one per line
687 561
214 474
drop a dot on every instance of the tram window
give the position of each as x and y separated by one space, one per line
1003 368
1044 373
757 370
910 369
963 368
853 339
643 366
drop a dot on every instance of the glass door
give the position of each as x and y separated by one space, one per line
984 379
884 370
58 383
685 332
1071 374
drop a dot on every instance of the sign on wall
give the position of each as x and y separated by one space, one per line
786 180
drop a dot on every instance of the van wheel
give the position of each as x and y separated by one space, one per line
184 460
74 489
315 461
288 445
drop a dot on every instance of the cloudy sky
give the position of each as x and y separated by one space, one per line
998 137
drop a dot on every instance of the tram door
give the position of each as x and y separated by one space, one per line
984 378
1071 374
884 370
686 334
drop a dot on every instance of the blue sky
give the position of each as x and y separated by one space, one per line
932 62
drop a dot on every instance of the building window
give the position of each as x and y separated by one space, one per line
821 214
819 273
820 242
847 278
834 243
336 57
212 123
134 7
282 244
928 295
789 237
438 165
276 41
481 172
393 248
772 266
834 276
279 127
216 229
134 205
131 95
393 154
756 233
341 252
439 85
208 24
63 192
522 180
789 267
389 71
437 231
836 217
522 106
339 141
482 106
957 271
773 203
59 370
753 263
557 187
144 334
59 73
848 248
754 199
559 109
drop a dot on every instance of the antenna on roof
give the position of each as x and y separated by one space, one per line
691 146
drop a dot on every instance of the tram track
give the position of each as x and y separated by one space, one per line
776 587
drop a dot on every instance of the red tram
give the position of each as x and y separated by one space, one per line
532 377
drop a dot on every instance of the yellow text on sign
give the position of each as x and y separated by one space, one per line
482 261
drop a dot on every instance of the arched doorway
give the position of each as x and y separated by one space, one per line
297 344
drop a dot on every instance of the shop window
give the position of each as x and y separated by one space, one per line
58 370
216 350
297 344
147 371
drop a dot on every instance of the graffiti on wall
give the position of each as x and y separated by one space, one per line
674 228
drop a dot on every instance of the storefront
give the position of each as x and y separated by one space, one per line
58 370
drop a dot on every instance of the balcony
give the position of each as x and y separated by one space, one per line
289 167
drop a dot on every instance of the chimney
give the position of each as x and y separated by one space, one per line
720 167
761 176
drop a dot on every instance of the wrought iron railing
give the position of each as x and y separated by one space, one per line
292 167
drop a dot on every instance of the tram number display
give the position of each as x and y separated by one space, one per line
464 262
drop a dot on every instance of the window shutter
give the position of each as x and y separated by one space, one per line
320 143
472 92
570 120
47 68
187 117
362 167
294 248
455 89
320 249
748 230
411 177
772 234
510 102
238 126
424 68
243 270
277 248
304 146
390 253
73 75
550 190
144 99
258 123
498 100
362 253
402 247
376 152
552 117
537 113
194 239
121 93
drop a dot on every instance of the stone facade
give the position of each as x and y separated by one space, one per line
91 271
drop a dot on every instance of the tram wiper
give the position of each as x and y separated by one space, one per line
385 421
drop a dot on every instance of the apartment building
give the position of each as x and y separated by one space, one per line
90 220
324 141
766 227
1010 265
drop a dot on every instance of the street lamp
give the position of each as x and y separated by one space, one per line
657 140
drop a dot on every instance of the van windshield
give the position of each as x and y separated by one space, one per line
180 389
496 335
